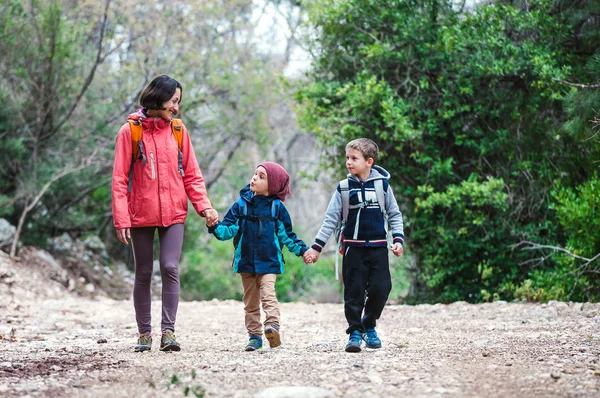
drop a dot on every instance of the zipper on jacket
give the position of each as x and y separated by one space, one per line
152 171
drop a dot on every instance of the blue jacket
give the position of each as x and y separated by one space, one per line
261 241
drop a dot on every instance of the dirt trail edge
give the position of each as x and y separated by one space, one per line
55 347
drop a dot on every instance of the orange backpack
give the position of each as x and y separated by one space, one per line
137 147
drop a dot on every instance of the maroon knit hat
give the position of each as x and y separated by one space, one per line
279 180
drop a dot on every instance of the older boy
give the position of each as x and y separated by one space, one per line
365 269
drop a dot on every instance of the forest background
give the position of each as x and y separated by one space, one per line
486 114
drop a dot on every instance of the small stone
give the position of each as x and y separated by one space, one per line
485 354
102 341
555 375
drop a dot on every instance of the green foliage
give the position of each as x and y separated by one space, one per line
577 211
469 116
464 228
207 273
573 278
188 384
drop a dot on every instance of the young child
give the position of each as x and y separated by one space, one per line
365 268
260 226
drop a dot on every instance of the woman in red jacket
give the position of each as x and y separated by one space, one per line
151 192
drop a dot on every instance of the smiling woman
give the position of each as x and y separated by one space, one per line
153 177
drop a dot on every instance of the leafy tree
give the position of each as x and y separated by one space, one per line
468 110
50 56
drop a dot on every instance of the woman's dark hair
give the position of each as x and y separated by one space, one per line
160 90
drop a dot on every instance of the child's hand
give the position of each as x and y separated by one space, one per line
397 249
311 256
212 217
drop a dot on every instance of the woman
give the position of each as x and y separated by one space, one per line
153 178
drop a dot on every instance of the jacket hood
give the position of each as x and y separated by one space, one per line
147 120
377 173
247 195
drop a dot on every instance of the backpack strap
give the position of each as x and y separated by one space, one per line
345 200
177 128
137 148
243 216
345 192
379 192
243 211
275 208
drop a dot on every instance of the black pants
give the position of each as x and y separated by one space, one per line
367 285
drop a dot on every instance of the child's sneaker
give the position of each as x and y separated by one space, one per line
254 344
371 338
144 342
272 334
354 341
168 342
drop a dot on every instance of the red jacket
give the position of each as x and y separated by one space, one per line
159 194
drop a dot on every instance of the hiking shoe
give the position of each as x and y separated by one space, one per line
371 339
144 342
354 341
254 344
168 342
272 334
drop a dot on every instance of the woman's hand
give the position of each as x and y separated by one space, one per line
212 217
123 235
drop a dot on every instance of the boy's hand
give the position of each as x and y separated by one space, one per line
311 256
397 249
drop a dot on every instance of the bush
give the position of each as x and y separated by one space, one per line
572 278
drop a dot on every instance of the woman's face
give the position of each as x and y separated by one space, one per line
171 107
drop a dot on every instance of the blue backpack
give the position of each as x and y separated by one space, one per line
243 216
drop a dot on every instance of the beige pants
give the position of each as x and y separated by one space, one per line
260 289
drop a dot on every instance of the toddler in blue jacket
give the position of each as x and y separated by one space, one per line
260 226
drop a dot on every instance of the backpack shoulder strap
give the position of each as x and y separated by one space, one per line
381 200
137 148
243 211
380 196
345 199
136 138
177 128
242 206
275 208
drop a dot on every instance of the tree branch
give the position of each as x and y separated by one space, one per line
90 76
578 85
31 204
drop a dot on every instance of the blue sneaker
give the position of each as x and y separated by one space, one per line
354 342
254 344
371 339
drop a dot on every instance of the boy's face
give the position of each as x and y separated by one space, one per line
357 165
259 184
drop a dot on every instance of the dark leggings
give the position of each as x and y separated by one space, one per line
171 241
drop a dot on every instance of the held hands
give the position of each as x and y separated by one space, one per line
397 249
311 256
123 235
212 217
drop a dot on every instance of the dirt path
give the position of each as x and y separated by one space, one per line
49 347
